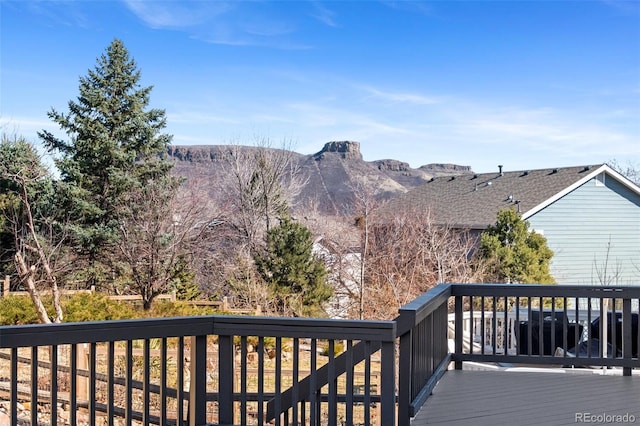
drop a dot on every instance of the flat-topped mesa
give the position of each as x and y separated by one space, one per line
346 149
444 168
392 165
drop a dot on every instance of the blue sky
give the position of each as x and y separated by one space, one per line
526 84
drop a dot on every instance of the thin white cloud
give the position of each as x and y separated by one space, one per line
220 22
324 14
631 7
402 97
201 118
176 14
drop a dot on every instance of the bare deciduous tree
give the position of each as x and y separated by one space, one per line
408 255
261 184
162 229
30 216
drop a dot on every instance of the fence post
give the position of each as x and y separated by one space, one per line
82 363
6 286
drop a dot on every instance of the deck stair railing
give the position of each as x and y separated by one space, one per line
200 370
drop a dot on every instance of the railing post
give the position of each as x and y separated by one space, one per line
198 381
627 352
225 379
388 388
404 378
458 331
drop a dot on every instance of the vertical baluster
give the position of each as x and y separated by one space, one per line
92 383
333 385
110 383
54 384
295 378
517 326
553 325
482 326
14 386
577 337
278 380
565 338
146 378
180 382
164 365
494 324
349 384
129 384
613 326
314 408
505 327
626 334
73 383
540 326
367 382
529 327
471 324
589 319
34 385
260 380
243 380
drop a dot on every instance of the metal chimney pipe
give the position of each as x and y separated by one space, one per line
500 169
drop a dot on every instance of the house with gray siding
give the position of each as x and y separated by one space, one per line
590 215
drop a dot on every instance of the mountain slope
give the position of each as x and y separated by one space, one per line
331 175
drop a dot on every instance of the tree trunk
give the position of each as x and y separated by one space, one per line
26 274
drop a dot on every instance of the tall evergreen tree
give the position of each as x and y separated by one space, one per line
296 276
514 253
115 145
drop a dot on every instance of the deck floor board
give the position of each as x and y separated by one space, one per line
527 398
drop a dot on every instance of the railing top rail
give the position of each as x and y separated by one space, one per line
119 330
318 328
545 290
14 336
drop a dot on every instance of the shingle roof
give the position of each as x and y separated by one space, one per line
473 200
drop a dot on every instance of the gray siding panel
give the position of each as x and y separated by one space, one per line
594 232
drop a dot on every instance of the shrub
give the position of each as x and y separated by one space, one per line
164 309
17 310
95 307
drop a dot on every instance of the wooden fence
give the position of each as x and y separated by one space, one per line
222 305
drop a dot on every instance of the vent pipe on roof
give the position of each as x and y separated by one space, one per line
500 170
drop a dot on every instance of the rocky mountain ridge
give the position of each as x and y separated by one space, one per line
331 174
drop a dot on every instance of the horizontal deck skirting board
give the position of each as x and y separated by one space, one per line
464 397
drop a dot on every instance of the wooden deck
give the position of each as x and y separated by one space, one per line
514 396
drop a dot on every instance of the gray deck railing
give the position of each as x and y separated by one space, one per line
200 370
256 370
576 326
423 355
